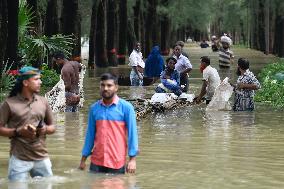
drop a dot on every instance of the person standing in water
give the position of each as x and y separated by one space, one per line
111 132
26 118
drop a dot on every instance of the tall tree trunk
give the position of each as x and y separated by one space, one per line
165 29
142 31
12 45
149 25
137 12
71 23
36 22
267 26
3 30
100 50
51 18
92 39
131 38
111 33
155 24
122 41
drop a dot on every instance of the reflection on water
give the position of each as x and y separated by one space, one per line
182 148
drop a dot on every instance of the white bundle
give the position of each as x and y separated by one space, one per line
226 39
81 82
220 99
56 97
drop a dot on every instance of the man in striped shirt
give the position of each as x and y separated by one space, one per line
111 132
225 54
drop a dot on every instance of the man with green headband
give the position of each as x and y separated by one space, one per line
26 118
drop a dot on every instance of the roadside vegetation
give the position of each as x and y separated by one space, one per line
272 84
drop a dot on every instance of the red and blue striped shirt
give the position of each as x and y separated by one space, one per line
109 126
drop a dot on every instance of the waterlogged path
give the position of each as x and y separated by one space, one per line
186 148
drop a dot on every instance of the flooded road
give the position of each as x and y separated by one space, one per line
182 148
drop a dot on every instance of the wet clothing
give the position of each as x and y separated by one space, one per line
244 97
109 128
136 60
102 169
171 84
211 76
17 111
19 170
182 64
225 57
154 64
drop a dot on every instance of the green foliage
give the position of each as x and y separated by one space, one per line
272 90
6 81
49 77
37 48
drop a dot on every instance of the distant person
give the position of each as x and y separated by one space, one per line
211 80
225 54
214 43
26 118
204 44
111 132
181 44
170 79
155 63
137 64
183 66
70 76
247 83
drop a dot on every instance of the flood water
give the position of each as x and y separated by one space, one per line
182 148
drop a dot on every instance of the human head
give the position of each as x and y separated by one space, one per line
137 46
204 62
180 43
108 86
226 41
59 58
177 50
243 63
171 61
28 79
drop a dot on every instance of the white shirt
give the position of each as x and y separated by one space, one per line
212 77
136 59
182 64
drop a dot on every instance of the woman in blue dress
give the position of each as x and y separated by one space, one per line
154 64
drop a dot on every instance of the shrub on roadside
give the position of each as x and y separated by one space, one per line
272 84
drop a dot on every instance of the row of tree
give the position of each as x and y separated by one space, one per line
115 25
45 21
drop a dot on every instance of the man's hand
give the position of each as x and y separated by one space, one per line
131 166
41 131
198 100
27 131
82 166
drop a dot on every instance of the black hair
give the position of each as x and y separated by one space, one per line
109 76
171 58
59 55
17 88
243 63
205 59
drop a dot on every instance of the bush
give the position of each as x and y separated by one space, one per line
49 77
272 88
6 81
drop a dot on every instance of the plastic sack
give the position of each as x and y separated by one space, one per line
220 99
163 97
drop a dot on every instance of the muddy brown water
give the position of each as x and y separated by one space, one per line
183 148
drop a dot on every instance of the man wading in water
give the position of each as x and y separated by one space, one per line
26 118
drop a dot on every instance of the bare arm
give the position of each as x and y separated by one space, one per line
6 132
202 92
